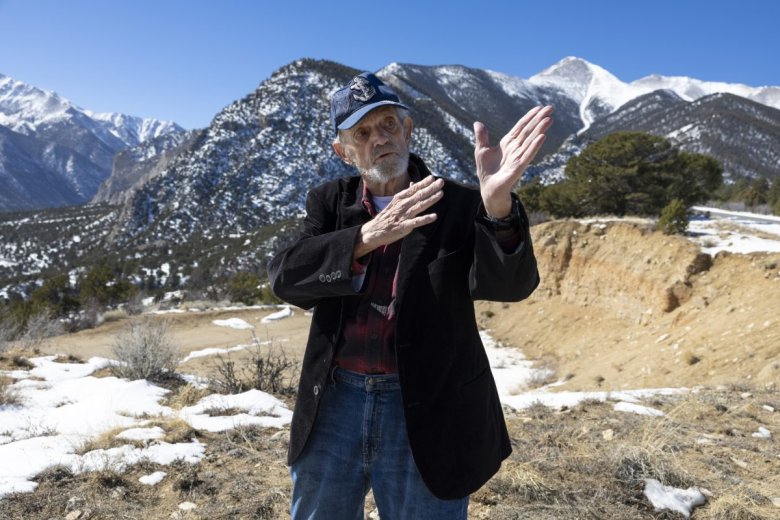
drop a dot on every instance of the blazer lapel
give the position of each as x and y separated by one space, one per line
352 212
412 247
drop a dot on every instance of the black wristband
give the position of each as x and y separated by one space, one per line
510 222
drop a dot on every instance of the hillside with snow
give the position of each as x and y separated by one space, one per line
55 153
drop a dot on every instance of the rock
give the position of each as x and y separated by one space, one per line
282 436
187 506
768 408
176 515
608 434
73 515
74 503
776 501
118 492
746 395
762 433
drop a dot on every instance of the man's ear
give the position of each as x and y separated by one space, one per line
408 127
339 149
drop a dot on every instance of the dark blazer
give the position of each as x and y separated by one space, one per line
453 415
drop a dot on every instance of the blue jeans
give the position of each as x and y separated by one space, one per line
358 443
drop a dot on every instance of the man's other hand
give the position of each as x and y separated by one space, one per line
500 167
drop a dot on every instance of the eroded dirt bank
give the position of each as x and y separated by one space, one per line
623 306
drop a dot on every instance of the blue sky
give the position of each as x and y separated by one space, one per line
185 60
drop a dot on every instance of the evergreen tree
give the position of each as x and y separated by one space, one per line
674 218
56 295
631 173
244 287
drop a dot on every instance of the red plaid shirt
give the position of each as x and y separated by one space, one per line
366 344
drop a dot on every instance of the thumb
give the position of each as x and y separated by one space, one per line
481 135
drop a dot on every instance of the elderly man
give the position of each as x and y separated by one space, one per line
396 392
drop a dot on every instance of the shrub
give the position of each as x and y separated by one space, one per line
145 350
40 325
268 369
6 334
674 218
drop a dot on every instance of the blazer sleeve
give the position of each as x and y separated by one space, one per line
318 265
499 276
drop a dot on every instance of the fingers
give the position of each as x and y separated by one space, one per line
530 136
541 118
522 122
481 135
420 192
528 122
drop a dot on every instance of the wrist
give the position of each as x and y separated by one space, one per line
362 243
509 222
497 205
498 210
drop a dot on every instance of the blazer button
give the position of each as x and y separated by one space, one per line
316 390
322 278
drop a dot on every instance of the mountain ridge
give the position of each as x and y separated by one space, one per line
59 133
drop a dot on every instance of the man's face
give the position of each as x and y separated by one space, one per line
378 145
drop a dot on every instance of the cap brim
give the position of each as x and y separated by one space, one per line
358 115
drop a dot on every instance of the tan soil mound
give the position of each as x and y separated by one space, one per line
622 306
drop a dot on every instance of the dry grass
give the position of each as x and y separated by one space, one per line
562 467
69 358
185 395
106 441
15 359
115 315
739 505
176 430
7 395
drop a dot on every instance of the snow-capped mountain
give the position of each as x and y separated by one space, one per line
743 135
260 155
66 149
598 92
135 166
256 161
220 199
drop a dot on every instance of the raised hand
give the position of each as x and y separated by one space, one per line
500 167
401 216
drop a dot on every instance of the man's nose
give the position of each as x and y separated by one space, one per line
381 136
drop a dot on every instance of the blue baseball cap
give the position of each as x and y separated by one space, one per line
363 94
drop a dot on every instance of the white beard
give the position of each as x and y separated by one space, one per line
387 169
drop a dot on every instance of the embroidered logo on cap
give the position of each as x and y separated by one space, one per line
361 89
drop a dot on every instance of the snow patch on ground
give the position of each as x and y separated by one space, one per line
233 323
286 312
258 408
682 501
63 407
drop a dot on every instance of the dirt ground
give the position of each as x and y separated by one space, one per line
619 307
